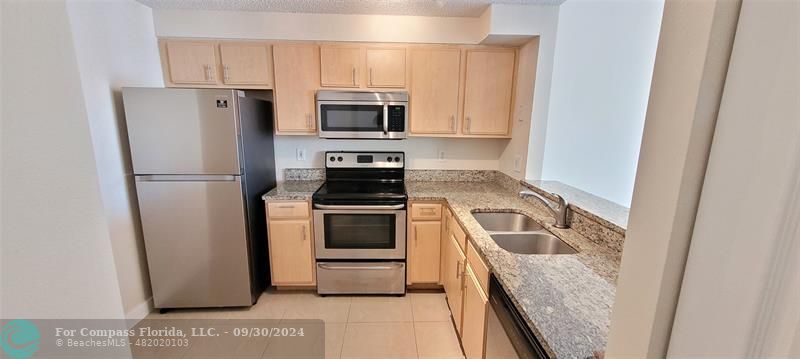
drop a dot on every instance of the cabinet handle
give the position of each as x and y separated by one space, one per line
225 70
458 269
414 229
467 124
308 120
452 122
370 76
303 231
206 73
354 75
210 73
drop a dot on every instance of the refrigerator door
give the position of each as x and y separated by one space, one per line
196 240
182 131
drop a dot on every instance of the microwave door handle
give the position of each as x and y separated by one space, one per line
386 119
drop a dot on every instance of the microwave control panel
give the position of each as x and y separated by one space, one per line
397 118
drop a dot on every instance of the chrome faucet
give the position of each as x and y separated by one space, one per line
559 212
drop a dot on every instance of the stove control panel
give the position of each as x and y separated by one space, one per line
342 159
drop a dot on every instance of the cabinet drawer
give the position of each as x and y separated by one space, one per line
479 267
426 211
279 210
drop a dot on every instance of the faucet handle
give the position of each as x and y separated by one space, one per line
562 203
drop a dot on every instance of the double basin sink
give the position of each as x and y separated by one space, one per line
519 233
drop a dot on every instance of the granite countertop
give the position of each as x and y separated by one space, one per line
565 299
293 190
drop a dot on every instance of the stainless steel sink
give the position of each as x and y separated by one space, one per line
532 243
506 222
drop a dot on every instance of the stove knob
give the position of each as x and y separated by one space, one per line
389 158
340 159
397 159
333 158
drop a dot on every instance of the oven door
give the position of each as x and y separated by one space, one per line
362 120
360 232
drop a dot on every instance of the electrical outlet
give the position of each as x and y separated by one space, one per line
441 155
301 154
517 162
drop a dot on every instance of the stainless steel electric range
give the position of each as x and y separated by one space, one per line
360 224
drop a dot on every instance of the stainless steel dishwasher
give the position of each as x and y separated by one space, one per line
507 334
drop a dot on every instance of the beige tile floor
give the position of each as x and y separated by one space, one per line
417 325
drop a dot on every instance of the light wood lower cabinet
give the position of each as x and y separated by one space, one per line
473 332
424 245
291 244
454 261
463 272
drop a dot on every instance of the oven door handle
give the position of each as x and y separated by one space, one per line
337 267
385 118
326 206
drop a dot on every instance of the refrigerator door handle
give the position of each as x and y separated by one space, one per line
187 178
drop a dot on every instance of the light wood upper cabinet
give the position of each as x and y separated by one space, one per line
489 88
340 65
296 82
246 63
191 62
473 332
434 90
386 67
454 262
424 245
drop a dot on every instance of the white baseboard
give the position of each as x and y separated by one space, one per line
140 311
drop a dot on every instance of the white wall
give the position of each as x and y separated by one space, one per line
688 78
745 250
57 260
321 27
604 58
514 158
421 153
536 67
116 46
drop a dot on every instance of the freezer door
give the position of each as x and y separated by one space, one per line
182 131
195 239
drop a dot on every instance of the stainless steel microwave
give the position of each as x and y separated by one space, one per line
362 115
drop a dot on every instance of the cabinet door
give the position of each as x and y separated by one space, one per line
191 62
453 283
340 66
488 91
425 246
386 67
291 254
246 63
434 90
473 332
296 82
444 242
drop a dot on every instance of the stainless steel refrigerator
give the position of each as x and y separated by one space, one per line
201 159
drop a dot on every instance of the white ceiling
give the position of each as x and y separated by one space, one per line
459 8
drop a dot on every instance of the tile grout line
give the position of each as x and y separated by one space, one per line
346 325
414 325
